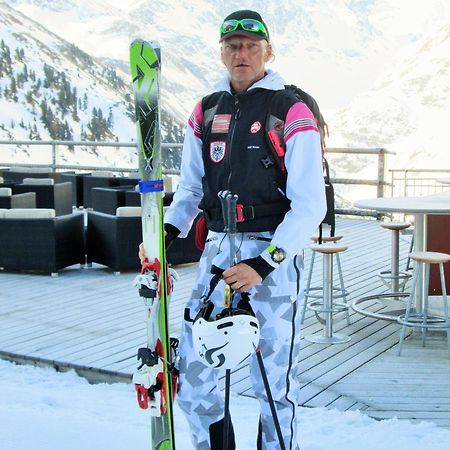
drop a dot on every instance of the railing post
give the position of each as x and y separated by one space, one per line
381 178
54 156
405 183
392 182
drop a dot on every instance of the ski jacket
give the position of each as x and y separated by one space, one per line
211 165
236 158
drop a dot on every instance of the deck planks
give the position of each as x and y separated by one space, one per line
93 320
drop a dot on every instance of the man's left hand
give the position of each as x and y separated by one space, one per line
241 277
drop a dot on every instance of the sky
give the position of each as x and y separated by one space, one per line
41 409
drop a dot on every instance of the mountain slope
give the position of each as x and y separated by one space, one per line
50 89
334 49
407 111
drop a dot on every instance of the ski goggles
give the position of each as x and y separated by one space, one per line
252 25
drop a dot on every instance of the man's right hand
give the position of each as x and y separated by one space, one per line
141 253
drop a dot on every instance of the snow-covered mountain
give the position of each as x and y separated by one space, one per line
354 56
333 48
407 110
50 89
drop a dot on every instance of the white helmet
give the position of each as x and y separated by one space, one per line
229 340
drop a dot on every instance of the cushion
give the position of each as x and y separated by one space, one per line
29 213
32 169
39 181
1 180
2 213
102 173
5 192
128 211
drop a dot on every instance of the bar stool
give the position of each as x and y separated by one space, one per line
338 292
393 278
326 305
421 319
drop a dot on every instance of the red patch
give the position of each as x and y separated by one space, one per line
256 126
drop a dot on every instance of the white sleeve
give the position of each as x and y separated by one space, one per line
305 189
184 207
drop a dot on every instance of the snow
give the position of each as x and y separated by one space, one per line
41 409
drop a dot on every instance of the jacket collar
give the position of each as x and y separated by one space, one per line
272 81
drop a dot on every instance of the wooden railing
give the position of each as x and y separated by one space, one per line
379 181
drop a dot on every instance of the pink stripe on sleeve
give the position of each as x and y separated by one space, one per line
298 120
196 120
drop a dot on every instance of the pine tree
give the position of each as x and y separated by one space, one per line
13 90
25 72
110 121
29 97
75 113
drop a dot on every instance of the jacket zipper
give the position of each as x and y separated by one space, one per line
237 115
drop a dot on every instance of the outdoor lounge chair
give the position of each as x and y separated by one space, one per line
9 200
57 196
38 240
113 240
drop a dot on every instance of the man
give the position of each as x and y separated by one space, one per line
225 148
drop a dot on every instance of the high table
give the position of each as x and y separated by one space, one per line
420 207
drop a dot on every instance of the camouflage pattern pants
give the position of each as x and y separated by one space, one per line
277 305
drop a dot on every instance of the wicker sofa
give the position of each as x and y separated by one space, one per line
9 200
49 195
38 240
113 240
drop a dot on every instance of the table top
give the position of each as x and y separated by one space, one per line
443 180
410 205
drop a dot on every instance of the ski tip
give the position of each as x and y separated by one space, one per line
154 45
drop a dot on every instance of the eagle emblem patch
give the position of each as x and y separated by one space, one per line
217 151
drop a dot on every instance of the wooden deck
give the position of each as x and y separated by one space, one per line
93 321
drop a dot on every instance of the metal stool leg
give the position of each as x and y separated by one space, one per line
444 300
421 317
394 279
395 259
425 304
408 308
328 295
341 282
308 285
408 261
328 337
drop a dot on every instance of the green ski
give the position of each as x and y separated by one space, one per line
155 378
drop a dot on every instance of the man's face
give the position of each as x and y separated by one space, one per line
245 60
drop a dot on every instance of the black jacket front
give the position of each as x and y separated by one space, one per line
237 158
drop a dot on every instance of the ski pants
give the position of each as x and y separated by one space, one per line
277 305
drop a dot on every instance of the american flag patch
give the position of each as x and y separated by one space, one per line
221 123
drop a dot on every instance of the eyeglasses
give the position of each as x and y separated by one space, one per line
252 25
